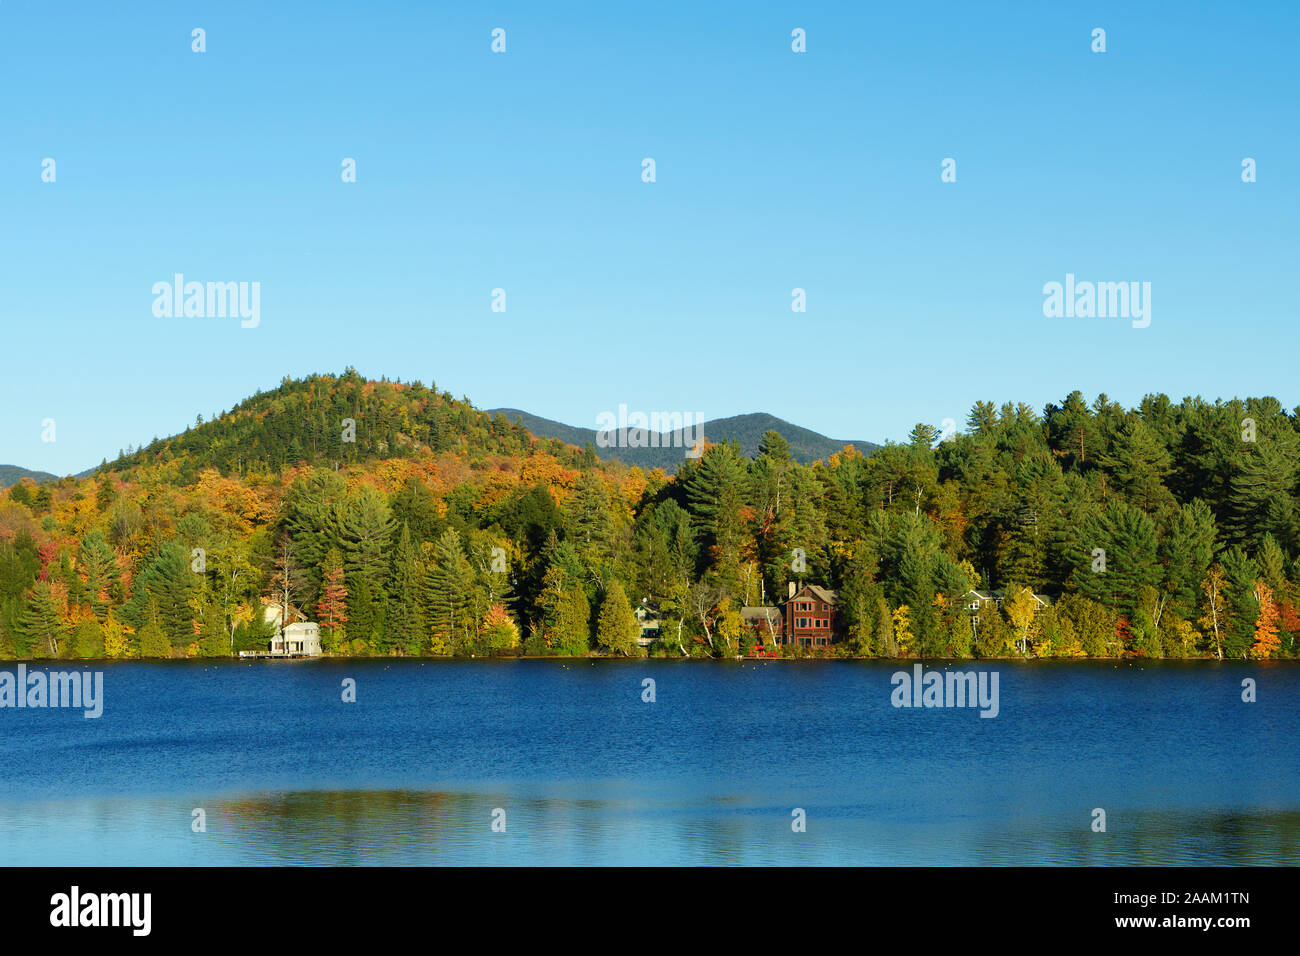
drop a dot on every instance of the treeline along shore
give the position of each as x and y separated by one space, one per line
404 522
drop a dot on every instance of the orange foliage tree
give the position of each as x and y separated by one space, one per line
1266 639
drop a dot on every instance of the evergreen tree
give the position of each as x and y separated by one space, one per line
88 640
153 642
1187 553
97 565
616 627
570 634
445 591
1127 535
1240 574
42 622
405 621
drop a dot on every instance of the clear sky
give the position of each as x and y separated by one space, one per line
523 171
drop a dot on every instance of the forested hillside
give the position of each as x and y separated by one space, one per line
406 522
304 423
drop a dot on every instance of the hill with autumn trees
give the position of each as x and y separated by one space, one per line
409 523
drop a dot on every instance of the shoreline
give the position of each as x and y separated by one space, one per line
55 662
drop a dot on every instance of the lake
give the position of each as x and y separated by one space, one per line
582 771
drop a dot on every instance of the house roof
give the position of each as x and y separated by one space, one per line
822 594
1042 599
765 614
826 595
271 613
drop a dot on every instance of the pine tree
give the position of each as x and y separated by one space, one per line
153 642
1072 434
43 621
1127 535
716 491
1240 574
405 621
214 638
366 528
98 566
571 633
166 585
1262 495
616 627
445 592
88 640
590 525
1138 462
1187 552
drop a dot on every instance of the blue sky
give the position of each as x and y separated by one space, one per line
522 171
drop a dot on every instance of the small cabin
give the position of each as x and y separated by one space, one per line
301 639
977 600
650 622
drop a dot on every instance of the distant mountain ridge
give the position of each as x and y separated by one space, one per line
805 444
12 474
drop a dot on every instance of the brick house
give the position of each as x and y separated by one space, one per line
809 618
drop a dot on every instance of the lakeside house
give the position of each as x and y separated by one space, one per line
647 616
806 618
300 639
297 638
977 600
809 616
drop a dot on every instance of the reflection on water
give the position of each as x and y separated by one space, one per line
411 827
588 773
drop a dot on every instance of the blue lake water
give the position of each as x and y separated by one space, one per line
710 773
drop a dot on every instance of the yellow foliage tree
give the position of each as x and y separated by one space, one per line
903 635
1021 610
117 637
729 624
